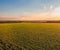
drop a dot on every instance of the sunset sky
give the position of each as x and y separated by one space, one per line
29 9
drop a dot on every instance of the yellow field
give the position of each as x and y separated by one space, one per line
32 36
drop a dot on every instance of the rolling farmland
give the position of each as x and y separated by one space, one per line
31 36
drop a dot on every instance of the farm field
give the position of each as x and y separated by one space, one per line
31 36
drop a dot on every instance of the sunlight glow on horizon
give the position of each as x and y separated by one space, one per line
53 15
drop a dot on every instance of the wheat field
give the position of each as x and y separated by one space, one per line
30 36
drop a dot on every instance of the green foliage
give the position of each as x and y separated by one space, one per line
32 36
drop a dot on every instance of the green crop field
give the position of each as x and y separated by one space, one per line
31 36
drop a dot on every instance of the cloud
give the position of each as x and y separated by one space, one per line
56 11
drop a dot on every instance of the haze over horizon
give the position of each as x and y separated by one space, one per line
29 9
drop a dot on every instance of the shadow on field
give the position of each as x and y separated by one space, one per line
8 46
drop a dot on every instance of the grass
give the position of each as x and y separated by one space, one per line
32 36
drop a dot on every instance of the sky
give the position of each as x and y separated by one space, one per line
29 9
